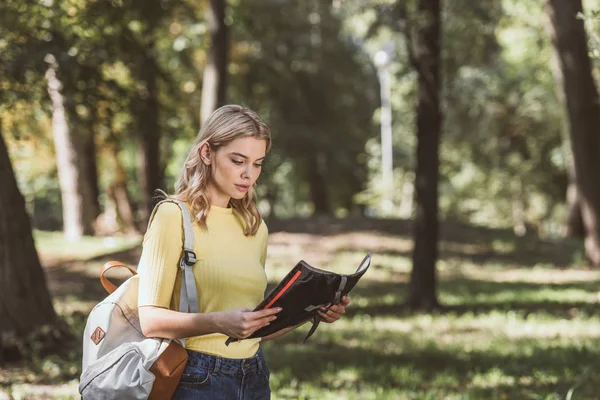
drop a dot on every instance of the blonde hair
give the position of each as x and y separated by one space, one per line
224 125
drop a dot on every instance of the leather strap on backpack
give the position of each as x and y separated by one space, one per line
108 285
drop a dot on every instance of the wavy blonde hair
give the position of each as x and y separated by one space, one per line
225 124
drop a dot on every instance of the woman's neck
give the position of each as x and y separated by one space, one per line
217 198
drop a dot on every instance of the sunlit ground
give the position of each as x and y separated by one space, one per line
520 322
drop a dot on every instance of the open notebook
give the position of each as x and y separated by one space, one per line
303 291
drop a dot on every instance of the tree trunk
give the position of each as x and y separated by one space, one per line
573 225
118 193
422 293
214 81
84 128
78 214
318 184
91 166
272 196
82 132
518 207
583 106
148 155
24 298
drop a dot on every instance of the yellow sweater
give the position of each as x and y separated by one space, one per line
229 272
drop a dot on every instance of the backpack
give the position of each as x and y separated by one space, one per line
119 362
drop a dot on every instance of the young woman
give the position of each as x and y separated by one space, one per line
217 185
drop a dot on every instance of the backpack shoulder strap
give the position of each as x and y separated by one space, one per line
188 299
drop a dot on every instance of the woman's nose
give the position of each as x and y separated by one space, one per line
247 173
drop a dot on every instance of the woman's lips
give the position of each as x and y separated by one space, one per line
242 188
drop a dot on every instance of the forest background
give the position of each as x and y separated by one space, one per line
458 141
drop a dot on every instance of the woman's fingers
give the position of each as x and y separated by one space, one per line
333 314
254 320
336 311
263 317
264 313
329 316
240 323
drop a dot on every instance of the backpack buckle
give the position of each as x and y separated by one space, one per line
189 257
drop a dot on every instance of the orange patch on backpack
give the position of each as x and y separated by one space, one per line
98 335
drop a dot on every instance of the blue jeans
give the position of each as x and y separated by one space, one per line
217 378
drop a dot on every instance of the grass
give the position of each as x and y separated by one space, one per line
520 321
53 249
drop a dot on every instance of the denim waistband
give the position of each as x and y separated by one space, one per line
224 365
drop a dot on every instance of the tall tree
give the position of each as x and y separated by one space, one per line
214 82
583 106
422 293
316 178
142 48
138 48
24 298
573 225
149 164
79 207
86 126
41 41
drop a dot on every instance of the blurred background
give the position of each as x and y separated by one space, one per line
458 141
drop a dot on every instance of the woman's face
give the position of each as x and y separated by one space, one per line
235 168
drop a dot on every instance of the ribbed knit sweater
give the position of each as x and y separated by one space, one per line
229 272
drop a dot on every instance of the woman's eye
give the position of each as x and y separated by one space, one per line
237 162
258 165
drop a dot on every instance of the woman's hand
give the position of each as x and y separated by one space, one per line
336 311
239 323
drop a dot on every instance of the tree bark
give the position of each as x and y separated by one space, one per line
573 224
25 302
583 106
148 155
118 193
78 213
422 292
214 81
82 133
91 166
318 184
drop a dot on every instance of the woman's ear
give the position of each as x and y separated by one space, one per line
205 153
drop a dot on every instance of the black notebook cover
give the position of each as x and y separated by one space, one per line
303 291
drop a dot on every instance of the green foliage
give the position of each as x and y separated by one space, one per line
591 17
315 87
502 155
100 48
307 69
313 84
507 121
